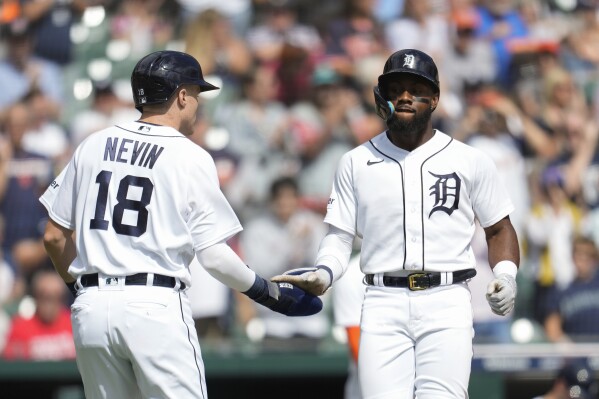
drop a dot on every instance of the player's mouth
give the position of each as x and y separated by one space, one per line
405 110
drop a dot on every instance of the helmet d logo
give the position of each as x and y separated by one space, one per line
409 61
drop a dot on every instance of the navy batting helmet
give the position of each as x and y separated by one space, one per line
157 75
407 61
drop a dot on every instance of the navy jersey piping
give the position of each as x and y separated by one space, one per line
422 196
149 135
403 200
195 355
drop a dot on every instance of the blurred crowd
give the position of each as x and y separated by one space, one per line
519 80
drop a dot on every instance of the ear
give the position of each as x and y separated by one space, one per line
182 97
434 102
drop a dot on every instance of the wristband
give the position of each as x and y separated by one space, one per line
329 271
505 267
260 292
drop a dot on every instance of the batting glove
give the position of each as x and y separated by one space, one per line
501 294
284 298
315 280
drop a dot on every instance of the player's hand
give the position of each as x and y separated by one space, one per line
293 301
501 294
314 280
284 298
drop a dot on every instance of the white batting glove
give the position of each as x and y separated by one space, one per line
501 294
315 280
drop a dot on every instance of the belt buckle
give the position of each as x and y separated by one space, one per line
413 284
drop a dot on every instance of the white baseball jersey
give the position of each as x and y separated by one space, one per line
416 210
116 202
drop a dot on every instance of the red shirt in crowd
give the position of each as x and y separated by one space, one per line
31 339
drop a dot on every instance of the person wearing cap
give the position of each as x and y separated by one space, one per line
135 204
412 194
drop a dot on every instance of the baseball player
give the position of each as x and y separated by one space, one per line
412 194
134 205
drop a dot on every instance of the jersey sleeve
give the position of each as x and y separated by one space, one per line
341 207
59 198
211 217
490 200
49 196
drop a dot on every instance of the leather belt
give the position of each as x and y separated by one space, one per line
91 280
422 281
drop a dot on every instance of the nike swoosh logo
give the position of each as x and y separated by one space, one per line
374 162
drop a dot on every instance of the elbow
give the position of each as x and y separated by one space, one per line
54 237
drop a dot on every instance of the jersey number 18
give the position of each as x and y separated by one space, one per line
123 203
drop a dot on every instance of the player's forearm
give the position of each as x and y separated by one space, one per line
335 251
60 246
222 263
502 242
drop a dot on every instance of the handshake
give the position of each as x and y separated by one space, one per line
294 293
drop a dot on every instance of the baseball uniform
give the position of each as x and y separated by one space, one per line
415 212
118 197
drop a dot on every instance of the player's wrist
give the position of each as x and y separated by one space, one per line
260 291
505 267
325 274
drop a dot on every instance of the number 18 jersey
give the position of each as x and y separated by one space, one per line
142 198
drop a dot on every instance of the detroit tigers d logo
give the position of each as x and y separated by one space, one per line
446 193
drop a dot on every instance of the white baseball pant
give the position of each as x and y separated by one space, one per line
137 342
416 344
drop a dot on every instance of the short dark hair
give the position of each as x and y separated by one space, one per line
282 183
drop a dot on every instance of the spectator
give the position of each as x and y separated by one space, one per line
11 288
25 71
279 30
51 23
575 380
552 224
25 176
284 236
47 334
211 39
561 97
573 312
354 35
142 24
290 47
46 135
256 125
581 50
421 29
344 113
469 60
319 152
500 22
